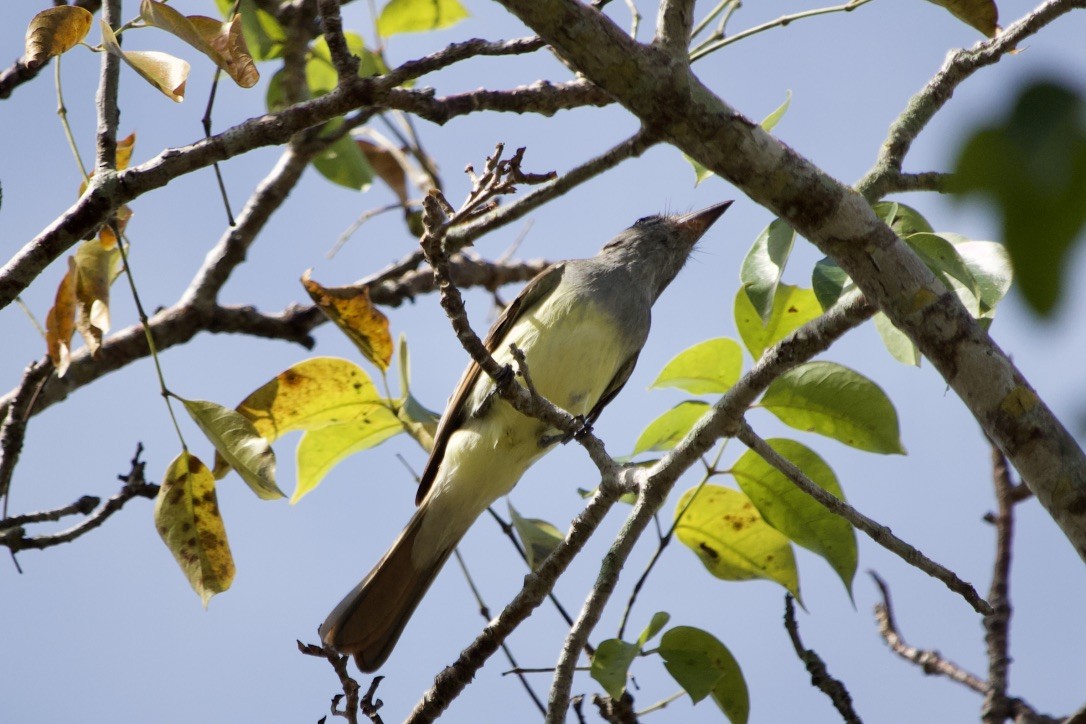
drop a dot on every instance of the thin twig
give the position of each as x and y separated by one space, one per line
484 611
996 708
931 662
816 667
877 532
13 430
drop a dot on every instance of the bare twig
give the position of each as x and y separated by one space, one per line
15 539
13 430
106 101
820 676
877 532
345 62
350 686
996 708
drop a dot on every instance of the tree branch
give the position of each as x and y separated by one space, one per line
816 667
878 533
672 102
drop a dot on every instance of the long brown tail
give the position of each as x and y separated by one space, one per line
369 621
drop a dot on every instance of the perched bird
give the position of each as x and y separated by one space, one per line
581 325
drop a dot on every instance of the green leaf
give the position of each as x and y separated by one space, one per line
770 122
537 536
656 625
238 442
793 512
762 268
939 255
419 422
668 429
610 665
1032 166
830 282
418 16
263 34
792 308
832 400
990 266
903 219
322 448
344 163
187 517
726 531
709 367
703 666
897 343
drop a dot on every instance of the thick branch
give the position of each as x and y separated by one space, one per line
672 102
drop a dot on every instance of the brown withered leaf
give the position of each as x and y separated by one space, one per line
980 14
60 322
161 70
55 31
222 42
386 165
353 312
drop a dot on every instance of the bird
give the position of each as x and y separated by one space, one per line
581 325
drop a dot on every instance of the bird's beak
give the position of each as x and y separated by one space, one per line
696 223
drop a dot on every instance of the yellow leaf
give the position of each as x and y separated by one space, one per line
222 42
55 31
95 268
124 151
161 70
60 322
312 394
187 517
980 14
235 438
322 449
353 312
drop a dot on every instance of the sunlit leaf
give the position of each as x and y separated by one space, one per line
708 367
832 400
419 422
980 14
990 265
762 268
322 448
417 16
793 512
897 343
238 442
95 267
726 531
537 536
656 625
611 665
353 312
264 36
703 666
668 429
902 218
770 122
187 517
943 259
223 43
161 70
60 322
792 308
312 394
55 31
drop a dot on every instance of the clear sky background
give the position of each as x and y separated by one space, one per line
107 629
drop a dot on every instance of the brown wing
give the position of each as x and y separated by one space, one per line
534 292
614 387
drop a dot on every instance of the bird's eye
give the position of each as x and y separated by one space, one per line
645 220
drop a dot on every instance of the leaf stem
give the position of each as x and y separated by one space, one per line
62 113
